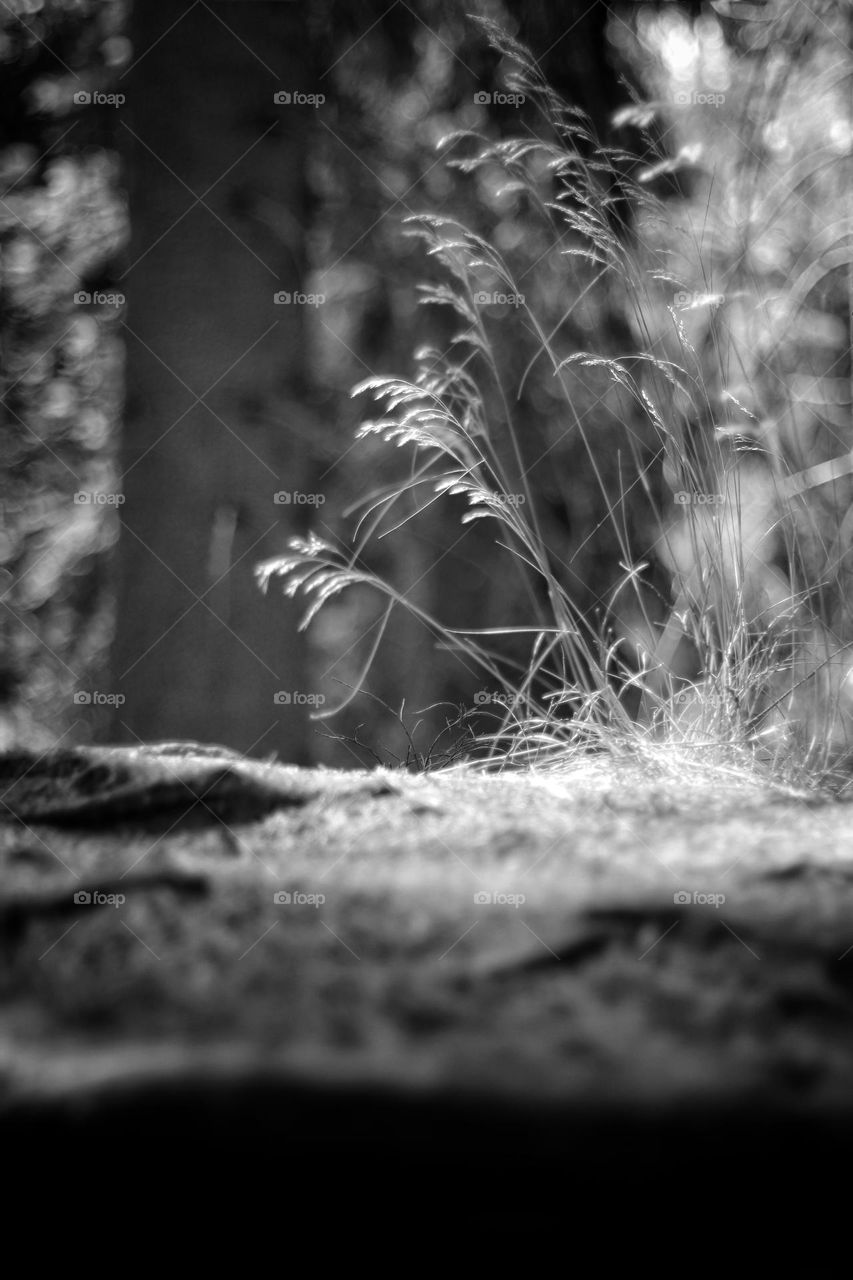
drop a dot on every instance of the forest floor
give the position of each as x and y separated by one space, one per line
459 960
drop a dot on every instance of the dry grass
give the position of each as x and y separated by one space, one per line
768 691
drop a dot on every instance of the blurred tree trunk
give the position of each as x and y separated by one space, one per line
218 216
62 236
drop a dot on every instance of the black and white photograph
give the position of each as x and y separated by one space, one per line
426 642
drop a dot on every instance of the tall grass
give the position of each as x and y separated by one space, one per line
751 629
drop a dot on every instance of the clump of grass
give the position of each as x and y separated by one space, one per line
753 634
454 743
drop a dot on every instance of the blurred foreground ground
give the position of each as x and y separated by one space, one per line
463 978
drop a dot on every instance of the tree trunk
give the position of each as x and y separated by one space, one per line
199 651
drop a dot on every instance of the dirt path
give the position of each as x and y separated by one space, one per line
426 956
